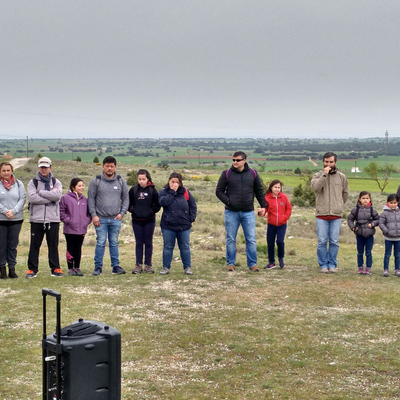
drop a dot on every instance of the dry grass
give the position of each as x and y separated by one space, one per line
280 334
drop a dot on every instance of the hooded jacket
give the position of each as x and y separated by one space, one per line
331 193
364 217
237 191
74 213
44 204
389 222
279 209
143 202
178 212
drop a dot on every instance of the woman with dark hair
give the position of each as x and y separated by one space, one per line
278 212
179 212
75 215
143 204
12 200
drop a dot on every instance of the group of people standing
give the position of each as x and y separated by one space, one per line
109 200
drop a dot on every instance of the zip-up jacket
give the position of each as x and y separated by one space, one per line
44 204
364 218
13 199
279 209
178 212
143 202
237 191
74 213
331 193
389 222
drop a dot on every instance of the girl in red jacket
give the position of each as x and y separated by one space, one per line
278 212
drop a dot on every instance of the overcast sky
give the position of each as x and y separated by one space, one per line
203 68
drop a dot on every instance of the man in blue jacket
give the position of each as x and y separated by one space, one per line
108 201
236 188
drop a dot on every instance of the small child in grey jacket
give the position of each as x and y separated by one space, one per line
389 222
362 221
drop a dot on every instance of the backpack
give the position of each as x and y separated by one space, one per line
36 182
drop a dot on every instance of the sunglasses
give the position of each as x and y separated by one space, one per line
237 159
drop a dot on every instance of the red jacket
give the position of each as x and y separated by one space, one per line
279 209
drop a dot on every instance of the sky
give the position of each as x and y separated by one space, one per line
199 68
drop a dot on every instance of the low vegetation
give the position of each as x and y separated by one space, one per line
279 334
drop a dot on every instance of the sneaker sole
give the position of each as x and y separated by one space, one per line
30 276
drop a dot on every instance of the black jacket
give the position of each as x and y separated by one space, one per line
143 203
178 213
238 190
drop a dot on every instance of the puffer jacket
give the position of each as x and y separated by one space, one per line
331 192
238 190
178 213
389 222
279 209
362 220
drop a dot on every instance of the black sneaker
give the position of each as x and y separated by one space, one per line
118 270
71 272
57 272
97 271
31 274
78 272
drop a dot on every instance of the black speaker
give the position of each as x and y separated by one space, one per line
81 361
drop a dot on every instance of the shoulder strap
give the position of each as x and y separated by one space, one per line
356 215
252 171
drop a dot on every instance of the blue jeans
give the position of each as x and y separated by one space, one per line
183 238
328 232
110 228
248 221
396 252
367 244
278 233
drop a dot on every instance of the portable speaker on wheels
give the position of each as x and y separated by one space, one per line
81 361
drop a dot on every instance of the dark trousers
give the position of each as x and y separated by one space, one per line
364 243
38 230
278 233
9 234
74 250
144 237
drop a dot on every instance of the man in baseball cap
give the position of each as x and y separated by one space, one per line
44 162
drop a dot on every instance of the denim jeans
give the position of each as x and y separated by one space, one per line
396 252
183 238
110 228
248 221
328 232
278 233
367 244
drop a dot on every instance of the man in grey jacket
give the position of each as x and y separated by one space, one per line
331 192
108 202
44 193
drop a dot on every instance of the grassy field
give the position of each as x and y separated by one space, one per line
279 334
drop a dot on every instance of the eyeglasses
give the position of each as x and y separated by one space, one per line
237 159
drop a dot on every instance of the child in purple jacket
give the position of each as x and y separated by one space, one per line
75 215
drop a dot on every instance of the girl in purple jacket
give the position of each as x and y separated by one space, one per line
75 215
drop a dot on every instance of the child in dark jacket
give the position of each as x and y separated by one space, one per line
278 212
362 221
143 204
389 222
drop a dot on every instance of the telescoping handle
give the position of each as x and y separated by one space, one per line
45 293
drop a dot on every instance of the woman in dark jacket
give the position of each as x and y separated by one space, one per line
143 204
179 212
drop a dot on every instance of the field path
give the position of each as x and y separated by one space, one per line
19 162
312 162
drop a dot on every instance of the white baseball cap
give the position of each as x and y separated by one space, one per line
44 162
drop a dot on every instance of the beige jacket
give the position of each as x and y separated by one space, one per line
331 192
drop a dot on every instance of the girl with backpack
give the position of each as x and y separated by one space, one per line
179 212
143 205
362 221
